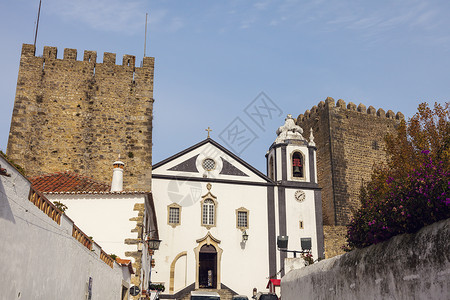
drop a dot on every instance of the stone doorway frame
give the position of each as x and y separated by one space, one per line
208 239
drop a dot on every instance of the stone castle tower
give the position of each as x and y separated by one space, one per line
79 115
349 141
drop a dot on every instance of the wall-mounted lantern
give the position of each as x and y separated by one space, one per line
244 236
153 244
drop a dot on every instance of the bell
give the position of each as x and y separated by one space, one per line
297 170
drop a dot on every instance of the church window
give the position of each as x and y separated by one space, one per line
242 218
208 212
297 164
209 164
174 214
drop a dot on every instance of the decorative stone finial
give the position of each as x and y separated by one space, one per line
289 131
209 186
311 138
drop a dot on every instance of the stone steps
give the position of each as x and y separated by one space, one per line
225 294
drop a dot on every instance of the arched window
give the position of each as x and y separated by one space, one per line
297 165
208 212
209 208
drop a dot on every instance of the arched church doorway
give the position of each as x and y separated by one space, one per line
207 267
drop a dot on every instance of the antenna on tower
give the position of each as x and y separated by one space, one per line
37 23
145 39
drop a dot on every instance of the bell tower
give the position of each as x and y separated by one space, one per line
296 210
291 158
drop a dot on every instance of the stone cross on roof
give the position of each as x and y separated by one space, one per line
209 130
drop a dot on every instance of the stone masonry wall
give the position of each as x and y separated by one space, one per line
349 141
79 115
335 238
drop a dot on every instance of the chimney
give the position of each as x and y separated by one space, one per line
117 179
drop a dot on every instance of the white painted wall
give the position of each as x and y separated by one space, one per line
304 211
409 266
244 266
105 217
40 259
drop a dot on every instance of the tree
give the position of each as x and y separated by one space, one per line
411 189
427 131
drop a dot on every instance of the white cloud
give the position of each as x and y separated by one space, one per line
262 5
112 15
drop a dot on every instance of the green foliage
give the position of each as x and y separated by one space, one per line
113 256
61 206
411 190
157 287
308 258
419 199
18 167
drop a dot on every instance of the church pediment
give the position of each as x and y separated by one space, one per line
208 160
230 169
188 165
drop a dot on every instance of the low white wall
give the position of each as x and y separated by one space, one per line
409 266
40 259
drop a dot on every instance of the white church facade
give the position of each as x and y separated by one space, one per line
218 217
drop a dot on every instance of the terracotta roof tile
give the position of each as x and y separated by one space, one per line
125 263
63 182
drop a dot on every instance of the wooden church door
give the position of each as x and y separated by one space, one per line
207 267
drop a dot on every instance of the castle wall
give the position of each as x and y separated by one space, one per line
349 141
79 115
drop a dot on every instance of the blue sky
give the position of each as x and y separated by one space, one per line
213 58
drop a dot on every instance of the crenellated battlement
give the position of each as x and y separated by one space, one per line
349 140
74 115
51 53
361 108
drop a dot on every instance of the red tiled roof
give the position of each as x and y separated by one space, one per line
123 261
67 182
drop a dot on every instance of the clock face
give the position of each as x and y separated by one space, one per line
299 195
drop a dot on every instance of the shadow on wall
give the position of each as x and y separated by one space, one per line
5 208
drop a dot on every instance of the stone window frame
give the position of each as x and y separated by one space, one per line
209 197
214 205
174 206
242 209
291 165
